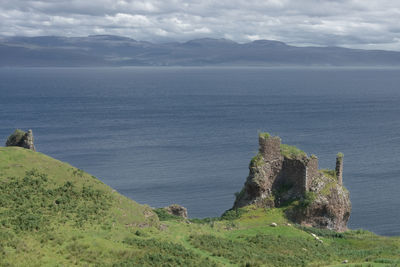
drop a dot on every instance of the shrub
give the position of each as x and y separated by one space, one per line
15 138
308 199
257 160
163 215
31 202
232 214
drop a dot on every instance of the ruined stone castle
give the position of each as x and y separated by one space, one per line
281 174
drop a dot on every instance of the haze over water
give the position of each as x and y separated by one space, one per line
186 135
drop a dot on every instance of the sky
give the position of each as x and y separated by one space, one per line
368 24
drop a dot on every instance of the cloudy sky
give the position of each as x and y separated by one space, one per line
349 23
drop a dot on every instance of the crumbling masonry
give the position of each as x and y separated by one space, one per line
292 174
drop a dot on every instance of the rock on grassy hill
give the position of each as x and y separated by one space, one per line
21 139
283 176
53 214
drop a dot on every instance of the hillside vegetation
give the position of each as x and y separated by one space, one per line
52 214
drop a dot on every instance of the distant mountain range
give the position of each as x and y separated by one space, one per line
109 50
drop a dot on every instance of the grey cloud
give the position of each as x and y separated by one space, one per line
350 23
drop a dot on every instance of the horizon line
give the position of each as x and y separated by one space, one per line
197 39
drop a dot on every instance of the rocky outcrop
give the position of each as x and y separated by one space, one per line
21 139
327 205
284 176
177 210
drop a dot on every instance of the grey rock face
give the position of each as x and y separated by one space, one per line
284 176
177 210
21 139
330 206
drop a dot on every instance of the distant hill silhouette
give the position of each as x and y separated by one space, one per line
109 50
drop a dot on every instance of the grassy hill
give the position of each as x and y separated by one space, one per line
52 214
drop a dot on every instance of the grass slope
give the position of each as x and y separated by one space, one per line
52 214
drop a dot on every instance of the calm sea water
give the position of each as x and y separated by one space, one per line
186 135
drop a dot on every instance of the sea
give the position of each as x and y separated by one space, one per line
185 135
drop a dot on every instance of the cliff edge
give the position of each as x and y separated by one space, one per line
284 176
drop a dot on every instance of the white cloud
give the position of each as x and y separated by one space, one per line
127 20
351 23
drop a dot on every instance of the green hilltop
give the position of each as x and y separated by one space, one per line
52 214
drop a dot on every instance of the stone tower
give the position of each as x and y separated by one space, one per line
339 168
270 147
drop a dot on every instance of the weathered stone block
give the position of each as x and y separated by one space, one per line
21 139
177 210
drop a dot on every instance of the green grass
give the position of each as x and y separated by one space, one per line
52 214
329 173
257 160
292 152
288 151
264 135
